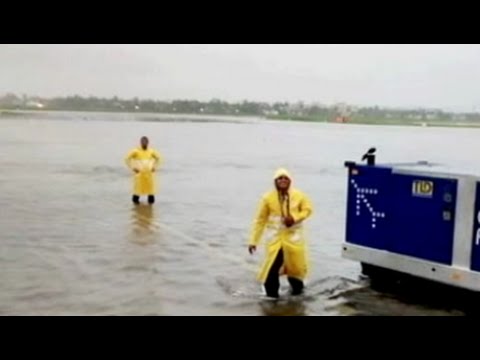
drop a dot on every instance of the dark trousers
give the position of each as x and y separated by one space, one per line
136 199
272 285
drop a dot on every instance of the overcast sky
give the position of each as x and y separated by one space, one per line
443 76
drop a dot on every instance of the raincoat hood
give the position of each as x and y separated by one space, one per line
282 172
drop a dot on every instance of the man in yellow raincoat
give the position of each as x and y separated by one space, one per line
144 162
279 219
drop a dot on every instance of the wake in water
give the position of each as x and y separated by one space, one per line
323 290
329 287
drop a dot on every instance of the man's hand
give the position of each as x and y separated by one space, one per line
252 249
289 221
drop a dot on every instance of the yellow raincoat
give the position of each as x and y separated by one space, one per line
146 162
268 223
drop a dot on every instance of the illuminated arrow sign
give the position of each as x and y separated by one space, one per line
361 198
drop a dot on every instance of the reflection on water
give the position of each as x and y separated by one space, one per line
289 307
144 226
416 297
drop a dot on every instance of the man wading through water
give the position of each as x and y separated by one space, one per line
143 161
279 219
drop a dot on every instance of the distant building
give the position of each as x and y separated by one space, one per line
459 117
34 104
270 112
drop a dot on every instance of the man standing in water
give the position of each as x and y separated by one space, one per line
281 213
144 162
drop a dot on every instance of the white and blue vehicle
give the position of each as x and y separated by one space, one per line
414 219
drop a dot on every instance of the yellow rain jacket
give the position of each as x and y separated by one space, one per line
269 225
146 162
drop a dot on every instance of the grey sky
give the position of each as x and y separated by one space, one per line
445 76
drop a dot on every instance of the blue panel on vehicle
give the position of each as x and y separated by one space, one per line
476 232
369 190
423 217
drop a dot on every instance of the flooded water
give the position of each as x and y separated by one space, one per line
71 242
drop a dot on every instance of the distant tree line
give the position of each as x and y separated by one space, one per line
314 112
